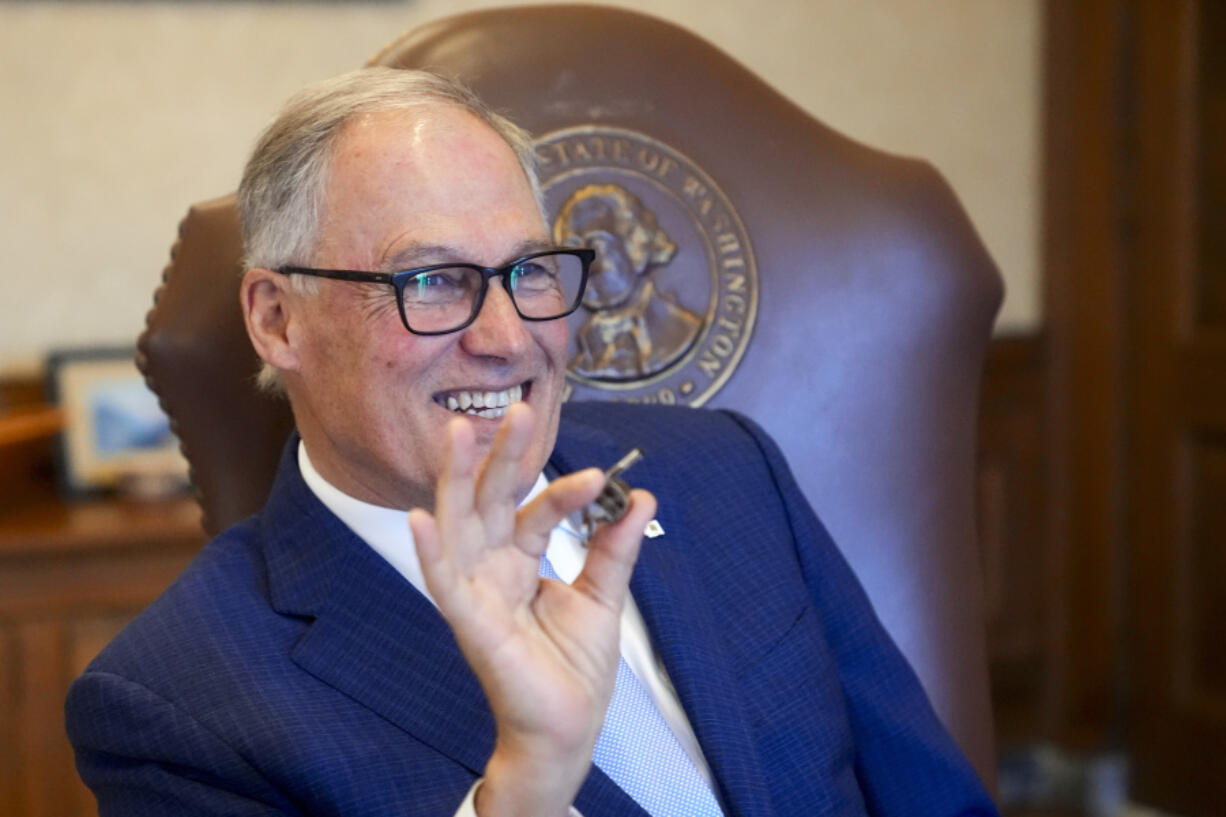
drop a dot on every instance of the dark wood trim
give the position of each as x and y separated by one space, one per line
28 429
1011 513
20 392
1085 215
1177 410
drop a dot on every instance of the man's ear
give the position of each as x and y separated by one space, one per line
267 305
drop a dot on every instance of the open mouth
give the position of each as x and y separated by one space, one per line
488 404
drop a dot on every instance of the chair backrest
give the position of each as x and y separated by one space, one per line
837 294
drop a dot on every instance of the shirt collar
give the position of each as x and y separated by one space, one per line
386 530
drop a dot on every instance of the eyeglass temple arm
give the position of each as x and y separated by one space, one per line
340 275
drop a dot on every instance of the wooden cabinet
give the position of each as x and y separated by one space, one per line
1135 246
71 575
1176 407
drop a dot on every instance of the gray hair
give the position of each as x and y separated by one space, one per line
280 197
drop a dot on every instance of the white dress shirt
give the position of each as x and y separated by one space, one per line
386 530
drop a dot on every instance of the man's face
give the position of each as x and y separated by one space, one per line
408 189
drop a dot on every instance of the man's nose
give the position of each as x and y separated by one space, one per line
497 331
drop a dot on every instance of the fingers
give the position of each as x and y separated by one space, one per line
475 514
474 510
434 568
474 501
454 492
613 550
563 496
498 481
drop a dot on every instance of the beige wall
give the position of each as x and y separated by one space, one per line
115 116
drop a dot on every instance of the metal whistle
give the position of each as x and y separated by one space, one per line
611 504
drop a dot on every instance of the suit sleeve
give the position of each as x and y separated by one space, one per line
144 757
906 762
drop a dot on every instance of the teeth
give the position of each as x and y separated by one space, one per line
488 404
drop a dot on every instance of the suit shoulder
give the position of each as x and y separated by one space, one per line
711 448
224 585
696 428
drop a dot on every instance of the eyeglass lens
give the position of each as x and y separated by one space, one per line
542 287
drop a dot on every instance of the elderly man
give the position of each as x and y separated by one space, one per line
417 622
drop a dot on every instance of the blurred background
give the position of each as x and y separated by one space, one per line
1083 138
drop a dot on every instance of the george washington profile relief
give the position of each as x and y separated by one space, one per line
633 329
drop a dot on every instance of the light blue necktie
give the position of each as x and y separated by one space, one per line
639 753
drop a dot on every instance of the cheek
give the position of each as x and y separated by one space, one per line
395 355
554 338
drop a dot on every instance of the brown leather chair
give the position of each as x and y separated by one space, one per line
848 284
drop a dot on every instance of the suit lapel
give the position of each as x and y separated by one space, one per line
411 670
374 637
668 587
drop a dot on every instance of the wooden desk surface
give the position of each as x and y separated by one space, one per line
53 525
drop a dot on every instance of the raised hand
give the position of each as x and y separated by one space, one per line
545 653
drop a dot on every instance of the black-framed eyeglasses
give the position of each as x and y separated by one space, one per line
444 298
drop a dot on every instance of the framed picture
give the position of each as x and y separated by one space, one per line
115 436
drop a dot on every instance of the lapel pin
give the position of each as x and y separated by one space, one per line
653 530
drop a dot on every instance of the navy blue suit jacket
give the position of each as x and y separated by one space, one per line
290 670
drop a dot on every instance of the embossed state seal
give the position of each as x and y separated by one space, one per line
673 293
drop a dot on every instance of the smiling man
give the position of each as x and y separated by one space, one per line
408 189
415 623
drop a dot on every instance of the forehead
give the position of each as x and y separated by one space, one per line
431 175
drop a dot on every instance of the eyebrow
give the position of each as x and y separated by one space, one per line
421 255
